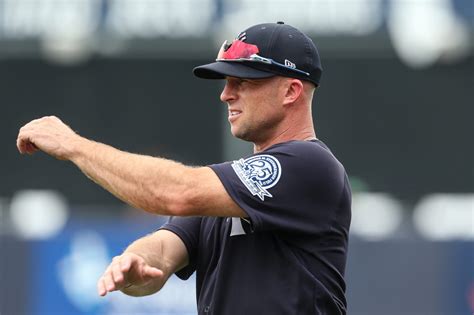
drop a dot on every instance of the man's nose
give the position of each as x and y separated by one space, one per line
228 93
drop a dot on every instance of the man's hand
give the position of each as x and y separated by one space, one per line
129 273
48 134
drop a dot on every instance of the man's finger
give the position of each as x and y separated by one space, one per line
22 143
101 284
109 282
117 274
31 148
126 263
19 145
101 287
24 137
152 272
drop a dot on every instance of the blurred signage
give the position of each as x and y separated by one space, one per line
194 18
422 32
66 269
355 17
63 271
401 276
129 18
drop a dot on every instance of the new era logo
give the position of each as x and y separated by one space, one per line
290 64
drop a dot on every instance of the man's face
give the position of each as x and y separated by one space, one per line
254 107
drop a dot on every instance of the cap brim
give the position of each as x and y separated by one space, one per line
221 70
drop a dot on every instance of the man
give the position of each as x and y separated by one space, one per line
266 234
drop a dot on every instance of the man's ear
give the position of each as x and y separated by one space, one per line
293 90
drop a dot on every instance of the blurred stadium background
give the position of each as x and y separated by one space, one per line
396 105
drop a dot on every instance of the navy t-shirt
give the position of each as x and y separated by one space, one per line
289 255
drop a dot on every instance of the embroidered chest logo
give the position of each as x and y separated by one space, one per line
258 173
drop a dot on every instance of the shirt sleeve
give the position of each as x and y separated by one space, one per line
187 229
292 187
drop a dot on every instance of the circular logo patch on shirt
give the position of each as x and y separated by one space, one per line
258 173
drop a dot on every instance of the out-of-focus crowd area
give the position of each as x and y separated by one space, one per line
396 106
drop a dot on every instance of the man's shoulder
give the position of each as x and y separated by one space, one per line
308 158
306 150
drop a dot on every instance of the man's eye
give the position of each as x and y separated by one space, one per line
240 82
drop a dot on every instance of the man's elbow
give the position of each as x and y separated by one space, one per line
183 198
179 209
182 204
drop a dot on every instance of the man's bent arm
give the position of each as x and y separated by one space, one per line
156 185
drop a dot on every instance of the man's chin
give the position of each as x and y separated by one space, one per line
240 135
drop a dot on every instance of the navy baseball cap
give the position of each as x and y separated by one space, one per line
263 51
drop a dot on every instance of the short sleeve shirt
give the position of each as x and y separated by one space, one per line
289 255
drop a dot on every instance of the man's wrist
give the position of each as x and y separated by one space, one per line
79 148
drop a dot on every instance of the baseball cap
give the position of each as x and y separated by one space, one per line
263 51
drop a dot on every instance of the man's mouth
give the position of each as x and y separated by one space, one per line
233 115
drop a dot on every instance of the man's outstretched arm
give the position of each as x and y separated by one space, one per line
145 265
156 185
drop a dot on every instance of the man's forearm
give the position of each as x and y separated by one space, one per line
155 185
149 183
163 250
